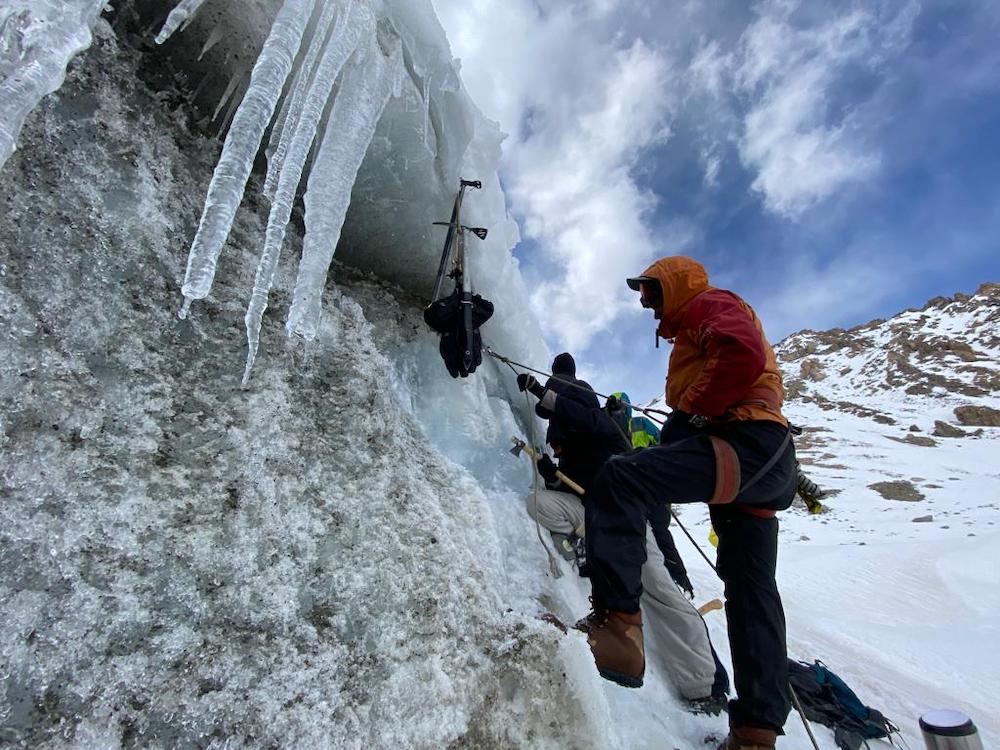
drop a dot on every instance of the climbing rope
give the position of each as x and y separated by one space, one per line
573 384
553 563
648 412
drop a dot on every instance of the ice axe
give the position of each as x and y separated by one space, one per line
520 445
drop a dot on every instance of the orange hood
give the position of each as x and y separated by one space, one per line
681 279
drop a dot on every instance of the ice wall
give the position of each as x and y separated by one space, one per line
370 90
187 563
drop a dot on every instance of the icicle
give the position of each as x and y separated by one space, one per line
234 82
233 170
214 38
303 79
427 108
364 92
350 30
53 32
180 15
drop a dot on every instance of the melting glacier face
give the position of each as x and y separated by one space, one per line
332 71
336 557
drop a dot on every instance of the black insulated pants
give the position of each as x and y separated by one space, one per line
632 485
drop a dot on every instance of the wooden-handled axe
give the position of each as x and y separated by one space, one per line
520 445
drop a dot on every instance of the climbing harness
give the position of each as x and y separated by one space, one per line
458 316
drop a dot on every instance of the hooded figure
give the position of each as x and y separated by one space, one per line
641 431
726 444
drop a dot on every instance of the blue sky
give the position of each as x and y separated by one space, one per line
830 162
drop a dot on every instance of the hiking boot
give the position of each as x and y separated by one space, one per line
750 738
712 705
587 623
564 546
615 639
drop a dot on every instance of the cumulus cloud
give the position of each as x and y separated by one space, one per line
589 89
581 105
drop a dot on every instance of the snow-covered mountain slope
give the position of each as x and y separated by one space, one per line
902 422
896 586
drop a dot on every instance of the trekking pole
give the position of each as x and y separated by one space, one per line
691 539
511 363
453 226
802 715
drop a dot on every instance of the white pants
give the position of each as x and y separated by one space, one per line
671 624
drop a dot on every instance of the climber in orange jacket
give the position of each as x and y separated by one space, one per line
726 444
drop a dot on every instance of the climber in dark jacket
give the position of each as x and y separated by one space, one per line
583 445
584 437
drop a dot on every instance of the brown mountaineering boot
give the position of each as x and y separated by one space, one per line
587 623
615 639
750 738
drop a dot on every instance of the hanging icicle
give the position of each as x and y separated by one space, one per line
53 33
179 17
367 85
242 143
292 106
354 25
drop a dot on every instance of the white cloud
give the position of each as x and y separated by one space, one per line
581 105
586 87
800 150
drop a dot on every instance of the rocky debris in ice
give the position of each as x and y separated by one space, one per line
923 519
943 429
901 490
978 416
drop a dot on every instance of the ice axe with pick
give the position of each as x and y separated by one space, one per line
520 445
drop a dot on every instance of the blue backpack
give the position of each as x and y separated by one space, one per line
827 699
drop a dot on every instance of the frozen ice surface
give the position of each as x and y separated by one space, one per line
180 16
38 38
242 143
339 556
187 563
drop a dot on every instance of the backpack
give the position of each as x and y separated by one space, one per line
445 316
827 699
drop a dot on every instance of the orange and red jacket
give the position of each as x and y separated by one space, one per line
721 365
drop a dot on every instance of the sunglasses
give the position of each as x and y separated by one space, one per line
650 295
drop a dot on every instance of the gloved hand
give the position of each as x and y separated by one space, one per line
613 404
526 382
685 585
547 469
